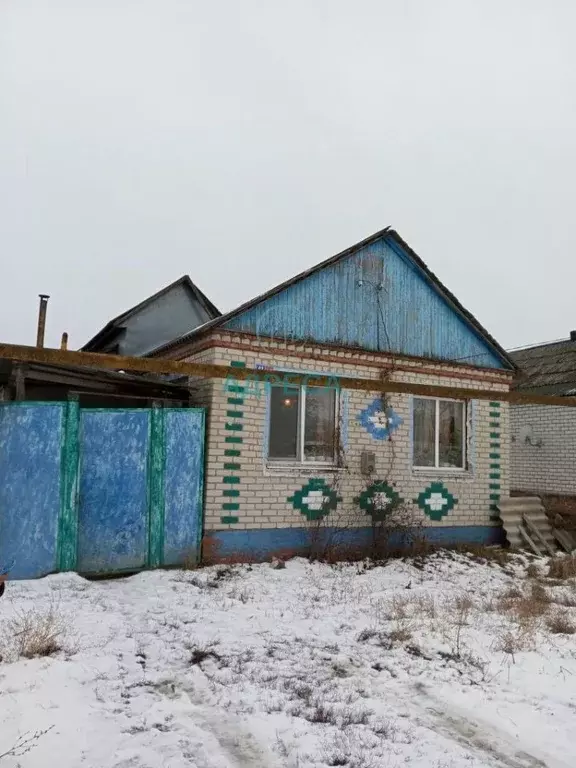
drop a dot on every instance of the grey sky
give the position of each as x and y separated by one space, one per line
241 141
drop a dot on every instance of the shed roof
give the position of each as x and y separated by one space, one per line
547 369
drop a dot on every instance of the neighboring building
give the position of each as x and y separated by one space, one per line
543 437
278 458
176 309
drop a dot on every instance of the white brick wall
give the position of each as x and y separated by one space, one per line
546 462
263 490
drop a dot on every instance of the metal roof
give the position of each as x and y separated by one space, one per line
386 232
548 369
115 324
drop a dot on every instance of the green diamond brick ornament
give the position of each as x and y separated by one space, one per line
378 500
436 501
315 500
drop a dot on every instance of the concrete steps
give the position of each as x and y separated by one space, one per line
526 524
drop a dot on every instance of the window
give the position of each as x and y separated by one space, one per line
439 432
302 424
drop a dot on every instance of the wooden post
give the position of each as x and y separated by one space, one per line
20 382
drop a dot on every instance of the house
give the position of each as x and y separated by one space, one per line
174 310
543 437
280 458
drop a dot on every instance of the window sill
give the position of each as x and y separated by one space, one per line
434 473
301 470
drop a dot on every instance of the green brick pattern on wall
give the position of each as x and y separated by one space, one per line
495 461
233 451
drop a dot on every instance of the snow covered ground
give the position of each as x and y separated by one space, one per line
444 663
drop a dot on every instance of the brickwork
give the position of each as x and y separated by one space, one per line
542 449
267 496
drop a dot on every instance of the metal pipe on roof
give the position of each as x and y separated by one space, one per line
42 319
64 341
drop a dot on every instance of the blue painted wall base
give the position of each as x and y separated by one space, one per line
262 544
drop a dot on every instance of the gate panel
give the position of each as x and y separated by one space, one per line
113 499
183 484
30 460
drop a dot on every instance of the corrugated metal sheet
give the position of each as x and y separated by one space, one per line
375 299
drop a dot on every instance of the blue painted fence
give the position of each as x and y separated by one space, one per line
99 491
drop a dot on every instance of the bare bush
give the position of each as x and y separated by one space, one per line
401 632
459 613
562 567
425 606
24 744
512 640
561 623
200 652
36 632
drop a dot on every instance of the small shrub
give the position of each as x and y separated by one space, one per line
512 593
560 623
562 567
200 653
539 594
400 633
366 634
425 606
512 640
38 633
533 572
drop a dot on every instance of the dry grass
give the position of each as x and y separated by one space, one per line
401 632
562 567
561 623
484 554
38 633
525 606
425 606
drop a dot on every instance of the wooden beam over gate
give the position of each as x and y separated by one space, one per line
209 371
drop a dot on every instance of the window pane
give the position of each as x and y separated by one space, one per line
319 424
451 435
284 418
424 432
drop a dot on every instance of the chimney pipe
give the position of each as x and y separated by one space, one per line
64 342
572 335
42 319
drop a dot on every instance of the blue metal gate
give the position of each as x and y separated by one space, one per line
113 494
100 491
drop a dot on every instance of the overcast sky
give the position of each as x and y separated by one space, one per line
242 141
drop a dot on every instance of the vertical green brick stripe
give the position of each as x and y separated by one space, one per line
234 425
495 436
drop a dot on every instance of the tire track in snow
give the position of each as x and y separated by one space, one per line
479 736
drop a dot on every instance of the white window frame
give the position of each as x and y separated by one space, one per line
300 460
437 467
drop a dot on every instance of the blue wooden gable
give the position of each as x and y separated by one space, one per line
379 297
